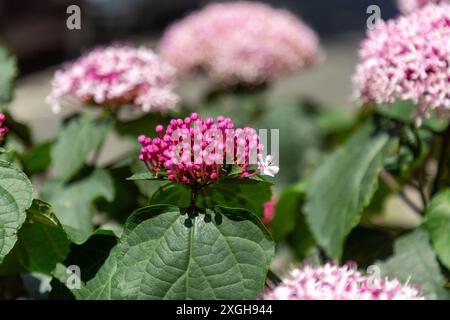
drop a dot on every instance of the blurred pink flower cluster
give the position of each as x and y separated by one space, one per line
195 150
407 6
3 128
408 58
114 76
240 42
269 211
331 282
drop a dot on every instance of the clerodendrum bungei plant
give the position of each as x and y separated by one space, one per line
187 212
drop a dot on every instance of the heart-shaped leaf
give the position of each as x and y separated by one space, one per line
16 195
213 254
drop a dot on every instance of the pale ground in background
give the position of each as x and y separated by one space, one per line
328 83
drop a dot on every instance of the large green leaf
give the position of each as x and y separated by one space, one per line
248 194
16 194
42 243
220 254
75 142
414 261
437 222
8 72
342 186
72 204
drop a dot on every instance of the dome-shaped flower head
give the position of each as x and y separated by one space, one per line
407 6
408 58
3 128
331 282
199 151
114 76
240 42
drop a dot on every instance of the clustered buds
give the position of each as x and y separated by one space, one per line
195 150
408 58
240 43
331 282
114 76
3 128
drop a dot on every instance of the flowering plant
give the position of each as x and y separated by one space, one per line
197 207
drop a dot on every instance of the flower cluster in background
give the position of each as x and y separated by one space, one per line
407 6
114 76
195 150
3 128
331 282
408 58
240 42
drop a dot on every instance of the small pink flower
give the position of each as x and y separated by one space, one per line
407 6
408 58
114 76
240 42
3 128
331 282
196 151
269 211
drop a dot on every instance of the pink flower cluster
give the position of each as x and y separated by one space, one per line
114 76
3 128
195 150
331 282
240 42
407 6
408 59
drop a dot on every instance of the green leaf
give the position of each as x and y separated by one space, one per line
44 246
287 210
415 262
437 222
175 194
342 186
248 194
165 255
42 212
38 159
16 194
72 204
75 142
8 73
